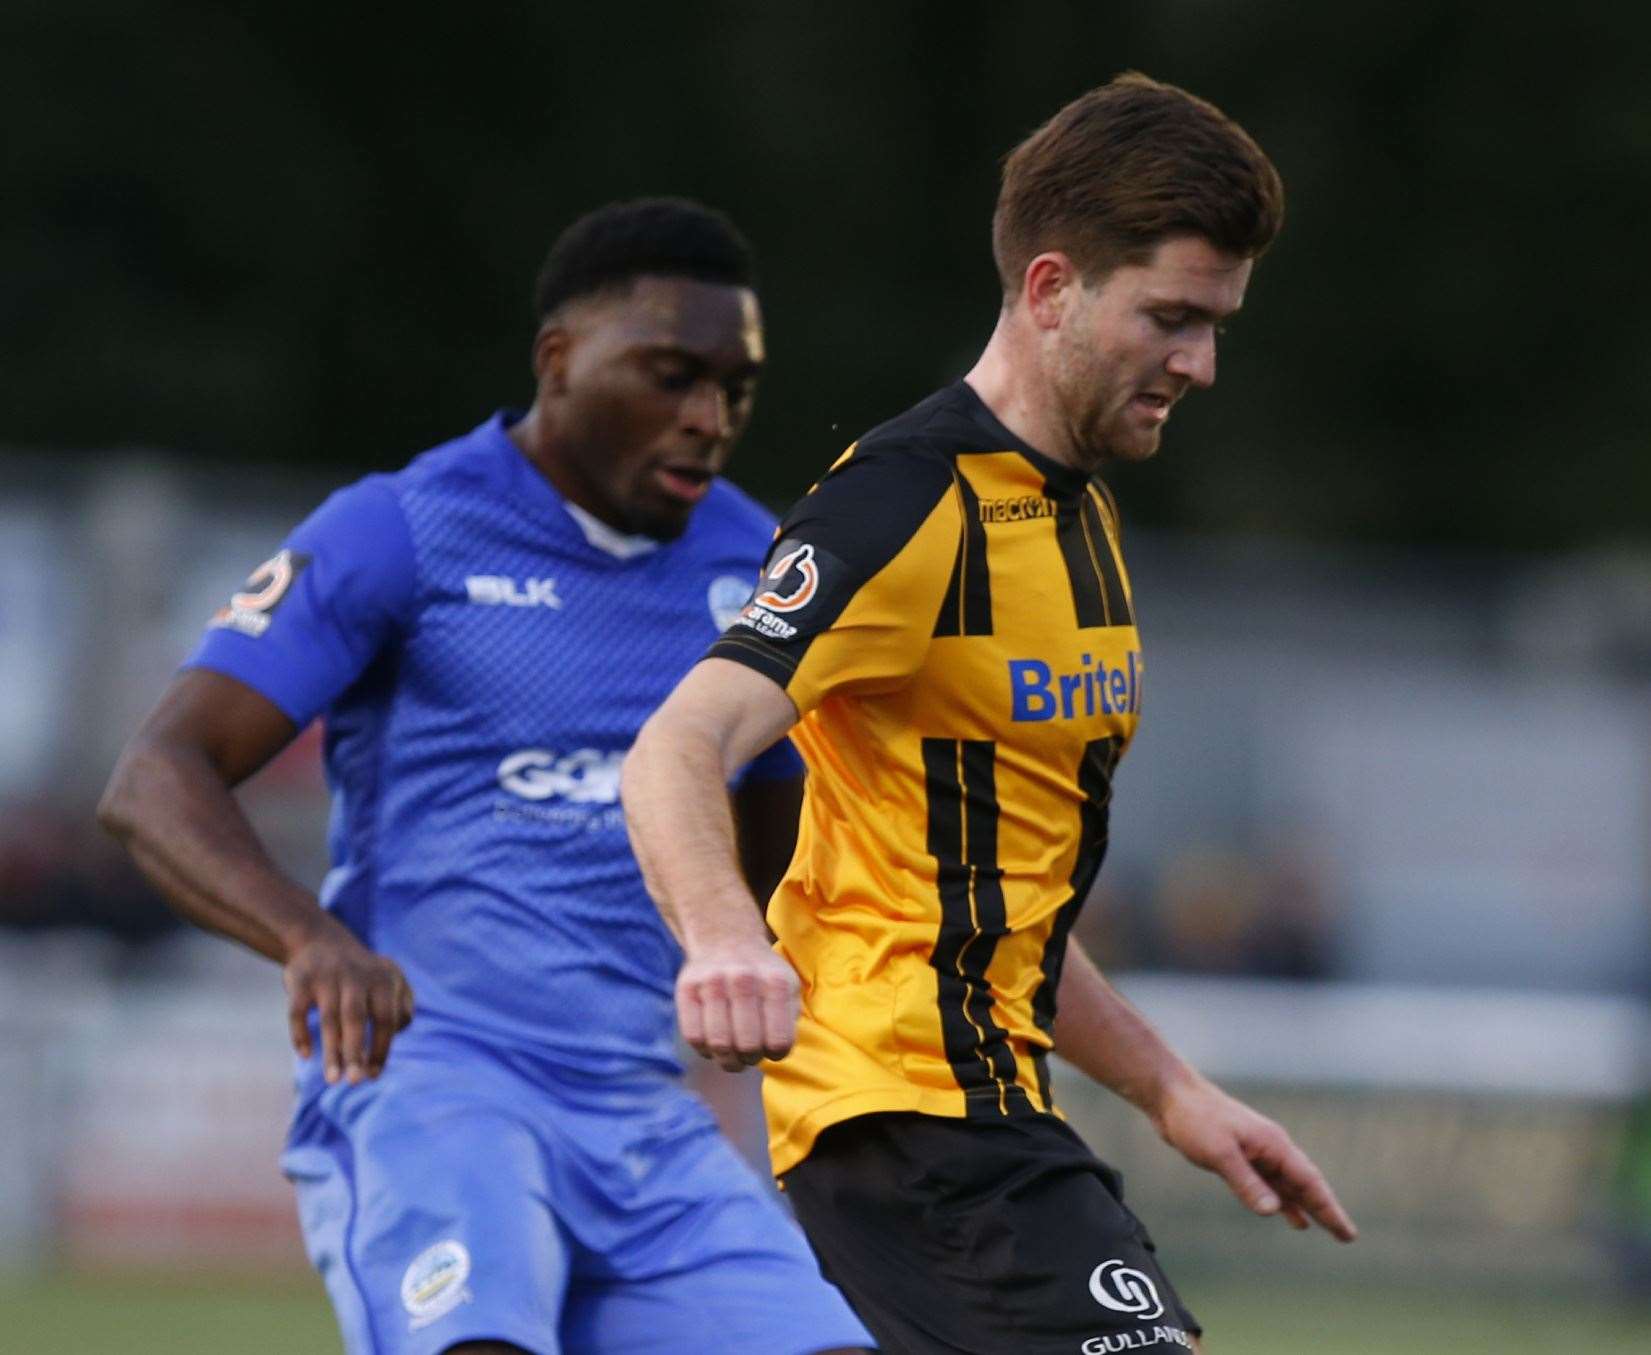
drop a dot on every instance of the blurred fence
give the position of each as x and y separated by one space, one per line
1476 1136
1378 858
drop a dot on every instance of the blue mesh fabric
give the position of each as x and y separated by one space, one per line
474 744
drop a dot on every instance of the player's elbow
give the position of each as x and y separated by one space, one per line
662 735
666 747
117 810
111 815
653 743
121 810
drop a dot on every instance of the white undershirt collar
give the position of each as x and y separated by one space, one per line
608 539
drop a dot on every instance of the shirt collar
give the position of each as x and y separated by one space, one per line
609 539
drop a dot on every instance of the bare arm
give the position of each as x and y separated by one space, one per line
169 800
736 999
1101 1034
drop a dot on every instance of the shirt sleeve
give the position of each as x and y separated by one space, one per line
311 618
852 588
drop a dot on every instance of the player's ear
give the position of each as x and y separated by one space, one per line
1046 288
550 357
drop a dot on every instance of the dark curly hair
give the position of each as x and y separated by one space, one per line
666 237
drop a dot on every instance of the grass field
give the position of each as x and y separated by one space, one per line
135 1316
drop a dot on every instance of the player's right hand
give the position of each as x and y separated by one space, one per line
363 999
736 1003
1260 1163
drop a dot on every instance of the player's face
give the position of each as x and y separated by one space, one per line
1133 344
648 391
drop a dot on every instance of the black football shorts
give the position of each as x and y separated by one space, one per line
975 1237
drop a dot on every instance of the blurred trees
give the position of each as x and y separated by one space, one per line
307 234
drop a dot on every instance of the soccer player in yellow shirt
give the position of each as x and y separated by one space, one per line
946 626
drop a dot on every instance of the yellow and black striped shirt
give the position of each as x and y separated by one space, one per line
949 611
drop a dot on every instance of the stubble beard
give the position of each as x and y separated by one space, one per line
1108 436
1098 396
1135 446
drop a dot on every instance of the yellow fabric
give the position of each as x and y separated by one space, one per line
898 723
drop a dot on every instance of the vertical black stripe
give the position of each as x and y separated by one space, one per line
950 620
945 843
1088 595
1112 579
980 808
1100 760
967 609
962 838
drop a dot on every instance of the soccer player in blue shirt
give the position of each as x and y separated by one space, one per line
483 633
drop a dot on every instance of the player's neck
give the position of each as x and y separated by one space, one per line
533 438
1008 378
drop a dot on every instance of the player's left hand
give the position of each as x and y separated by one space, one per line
1253 1155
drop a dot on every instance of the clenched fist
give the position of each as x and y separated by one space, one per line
736 1003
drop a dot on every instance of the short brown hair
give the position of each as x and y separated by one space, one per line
1123 168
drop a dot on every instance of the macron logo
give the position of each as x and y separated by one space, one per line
495 590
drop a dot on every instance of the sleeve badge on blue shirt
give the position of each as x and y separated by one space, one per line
727 597
251 610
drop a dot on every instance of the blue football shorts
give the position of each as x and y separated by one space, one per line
466 1196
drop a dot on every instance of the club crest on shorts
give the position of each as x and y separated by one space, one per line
1121 1289
434 1284
726 598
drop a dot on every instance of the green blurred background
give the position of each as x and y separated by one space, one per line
146 1317
305 234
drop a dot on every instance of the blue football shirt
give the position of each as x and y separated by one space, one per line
483 655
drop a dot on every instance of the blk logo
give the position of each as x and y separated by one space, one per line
499 590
